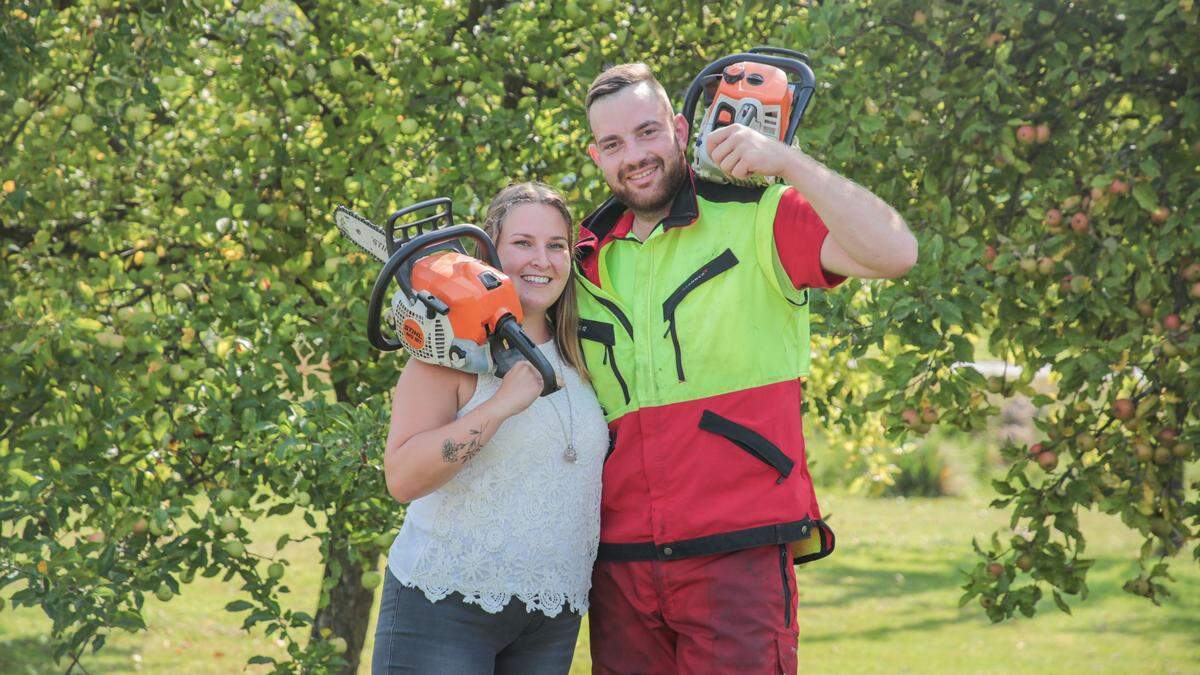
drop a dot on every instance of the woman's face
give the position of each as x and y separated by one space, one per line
535 253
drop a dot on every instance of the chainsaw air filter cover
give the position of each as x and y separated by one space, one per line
432 340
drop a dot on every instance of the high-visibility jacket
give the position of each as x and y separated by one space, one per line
697 364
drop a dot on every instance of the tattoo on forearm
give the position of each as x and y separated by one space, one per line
465 451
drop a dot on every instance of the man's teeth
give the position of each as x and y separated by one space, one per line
642 174
534 279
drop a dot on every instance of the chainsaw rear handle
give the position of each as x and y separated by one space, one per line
394 268
794 63
508 329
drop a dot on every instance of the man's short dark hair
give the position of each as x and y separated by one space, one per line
619 77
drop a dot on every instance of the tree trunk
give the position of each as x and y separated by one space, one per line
349 610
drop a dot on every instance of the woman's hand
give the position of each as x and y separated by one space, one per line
521 386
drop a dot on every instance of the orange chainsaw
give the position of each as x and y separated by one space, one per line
451 309
766 89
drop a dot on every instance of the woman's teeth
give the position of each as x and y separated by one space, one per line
535 279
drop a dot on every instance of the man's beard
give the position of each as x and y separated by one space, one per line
673 175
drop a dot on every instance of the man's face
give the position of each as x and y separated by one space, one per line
639 147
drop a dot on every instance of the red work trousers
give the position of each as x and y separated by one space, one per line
725 613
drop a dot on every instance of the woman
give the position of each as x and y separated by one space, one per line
492 567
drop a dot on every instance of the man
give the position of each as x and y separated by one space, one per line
694 323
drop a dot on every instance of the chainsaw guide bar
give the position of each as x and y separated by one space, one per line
365 234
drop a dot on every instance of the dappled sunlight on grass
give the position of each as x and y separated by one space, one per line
885 601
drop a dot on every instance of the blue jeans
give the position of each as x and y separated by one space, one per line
415 635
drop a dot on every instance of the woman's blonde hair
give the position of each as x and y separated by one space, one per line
564 313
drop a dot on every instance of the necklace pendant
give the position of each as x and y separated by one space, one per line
570 454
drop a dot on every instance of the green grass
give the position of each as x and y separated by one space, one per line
885 601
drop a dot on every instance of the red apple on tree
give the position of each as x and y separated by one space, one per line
1172 322
1160 214
1048 460
1123 409
1118 187
995 570
1079 222
1054 217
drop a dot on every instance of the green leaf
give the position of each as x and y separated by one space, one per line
238 606
1145 196
1062 604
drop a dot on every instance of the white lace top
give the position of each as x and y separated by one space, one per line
519 519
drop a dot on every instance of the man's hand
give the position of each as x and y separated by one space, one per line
742 152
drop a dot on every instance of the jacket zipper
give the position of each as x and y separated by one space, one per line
710 269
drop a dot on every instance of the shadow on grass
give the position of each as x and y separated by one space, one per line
35 656
938 575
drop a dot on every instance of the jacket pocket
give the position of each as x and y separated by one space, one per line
708 271
749 440
603 333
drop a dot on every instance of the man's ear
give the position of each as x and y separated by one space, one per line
682 129
594 153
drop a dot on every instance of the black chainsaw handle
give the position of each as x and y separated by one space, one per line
397 268
508 329
801 95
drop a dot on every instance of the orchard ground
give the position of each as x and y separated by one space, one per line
885 601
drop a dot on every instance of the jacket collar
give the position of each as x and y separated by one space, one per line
602 225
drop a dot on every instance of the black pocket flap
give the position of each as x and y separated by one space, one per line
748 440
597 331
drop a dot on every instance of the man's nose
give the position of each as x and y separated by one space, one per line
634 158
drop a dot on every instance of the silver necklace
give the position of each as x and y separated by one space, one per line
569 454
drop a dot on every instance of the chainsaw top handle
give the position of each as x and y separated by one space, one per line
397 267
794 63
780 51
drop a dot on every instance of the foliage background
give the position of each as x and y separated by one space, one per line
185 329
